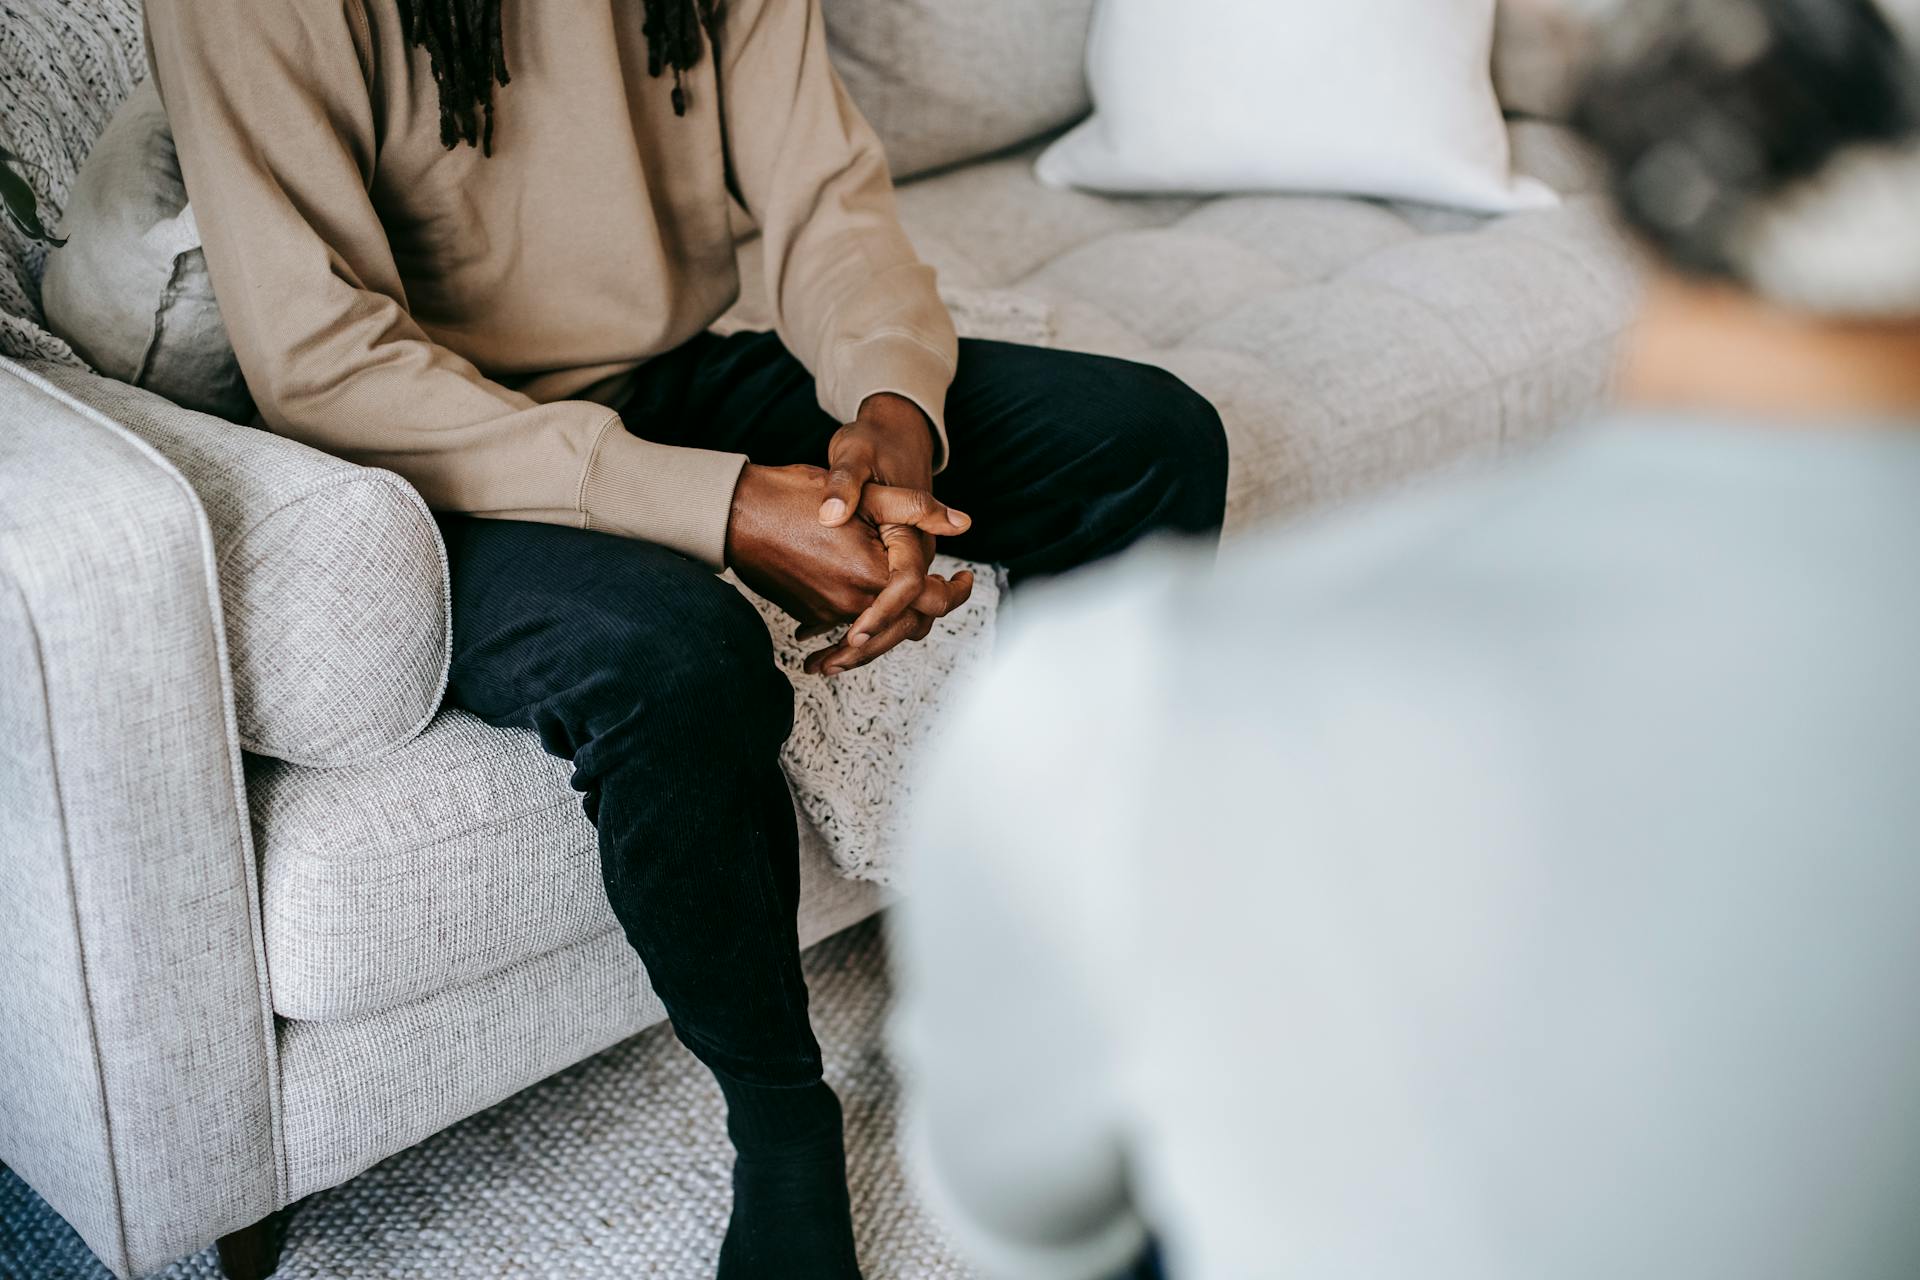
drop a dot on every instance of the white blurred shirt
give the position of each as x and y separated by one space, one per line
1518 881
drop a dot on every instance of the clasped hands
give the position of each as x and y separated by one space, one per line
852 542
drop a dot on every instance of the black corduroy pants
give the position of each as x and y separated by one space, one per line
656 678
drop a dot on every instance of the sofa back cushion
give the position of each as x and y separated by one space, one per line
943 82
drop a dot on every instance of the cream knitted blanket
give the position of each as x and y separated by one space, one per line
857 738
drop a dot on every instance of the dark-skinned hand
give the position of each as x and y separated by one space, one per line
890 444
825 575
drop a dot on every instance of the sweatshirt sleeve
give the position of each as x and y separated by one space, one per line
273 119
850 297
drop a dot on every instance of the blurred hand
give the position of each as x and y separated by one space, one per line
827 574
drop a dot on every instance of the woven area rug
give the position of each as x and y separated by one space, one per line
615 1167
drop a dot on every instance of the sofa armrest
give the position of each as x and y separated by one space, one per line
139 1087
333 579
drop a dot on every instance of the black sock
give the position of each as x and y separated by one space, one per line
791 1218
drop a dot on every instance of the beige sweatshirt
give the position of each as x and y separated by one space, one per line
467 321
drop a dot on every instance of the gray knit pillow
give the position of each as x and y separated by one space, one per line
64 66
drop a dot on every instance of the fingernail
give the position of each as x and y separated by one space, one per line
833 510
858 638
960 518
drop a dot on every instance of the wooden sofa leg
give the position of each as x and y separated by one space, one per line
252 1253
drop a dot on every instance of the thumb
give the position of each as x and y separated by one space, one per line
852 472
885 504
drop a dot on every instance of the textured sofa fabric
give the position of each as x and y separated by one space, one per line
943 82
463 853
332 577
1349 344
357 1089
137 1051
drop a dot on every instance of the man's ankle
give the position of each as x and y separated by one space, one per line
773 1117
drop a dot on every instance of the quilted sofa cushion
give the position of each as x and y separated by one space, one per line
463 854
1348 344
332 580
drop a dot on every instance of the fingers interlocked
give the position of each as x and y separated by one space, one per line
914 598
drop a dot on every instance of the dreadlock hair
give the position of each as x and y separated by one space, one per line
464 45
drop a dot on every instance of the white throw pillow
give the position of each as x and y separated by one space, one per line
1389 98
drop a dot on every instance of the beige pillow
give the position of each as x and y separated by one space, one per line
130 291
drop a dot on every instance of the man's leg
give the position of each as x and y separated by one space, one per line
1061 458
1064 458
656 680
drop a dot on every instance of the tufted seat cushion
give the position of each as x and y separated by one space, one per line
1349 344
464 853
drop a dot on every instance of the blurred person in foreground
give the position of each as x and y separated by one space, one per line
1522 880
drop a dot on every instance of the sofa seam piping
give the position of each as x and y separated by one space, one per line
236 782
79 936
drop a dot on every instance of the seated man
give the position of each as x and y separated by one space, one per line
1516 883
479 243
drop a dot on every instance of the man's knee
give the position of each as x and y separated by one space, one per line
1177 444
619 644
701 668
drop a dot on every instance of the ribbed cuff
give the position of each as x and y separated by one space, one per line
680 498
899 363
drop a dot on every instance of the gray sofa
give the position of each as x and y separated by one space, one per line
271 913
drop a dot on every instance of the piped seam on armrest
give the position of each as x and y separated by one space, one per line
236 790
73 918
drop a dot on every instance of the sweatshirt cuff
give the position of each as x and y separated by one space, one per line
676 497
895 362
